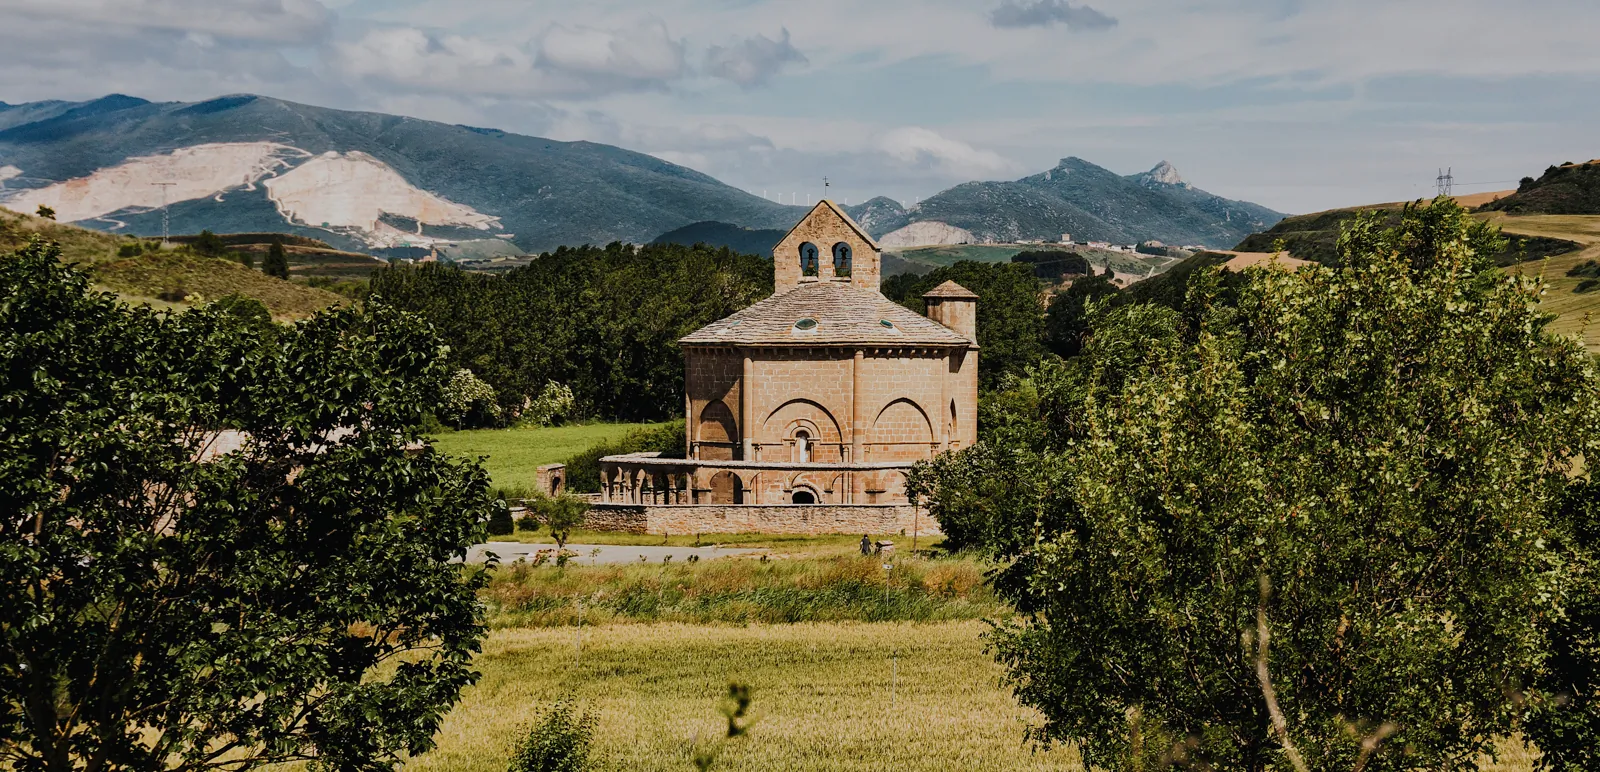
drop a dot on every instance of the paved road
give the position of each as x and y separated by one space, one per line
609 553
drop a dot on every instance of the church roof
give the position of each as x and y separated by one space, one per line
826 313
951 289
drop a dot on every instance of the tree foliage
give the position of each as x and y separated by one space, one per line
603 321
1357 464
277 261
164 606
1010 314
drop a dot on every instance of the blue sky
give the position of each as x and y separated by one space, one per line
1296 105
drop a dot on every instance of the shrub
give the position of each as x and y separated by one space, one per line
468 402
133 249
1587 285
583 470
560 742
500 521
553 405
1588 268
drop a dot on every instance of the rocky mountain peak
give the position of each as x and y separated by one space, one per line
1163 173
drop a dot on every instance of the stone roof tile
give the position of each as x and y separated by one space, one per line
843 314
950 289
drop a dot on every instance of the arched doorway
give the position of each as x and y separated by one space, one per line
803 496
726 489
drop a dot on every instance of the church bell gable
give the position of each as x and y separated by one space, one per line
826 246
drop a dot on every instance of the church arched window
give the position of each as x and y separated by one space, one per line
841 259
802 446
809 259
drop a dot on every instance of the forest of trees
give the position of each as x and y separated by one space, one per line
604 321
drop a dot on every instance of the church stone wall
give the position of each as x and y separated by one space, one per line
712 376
848 519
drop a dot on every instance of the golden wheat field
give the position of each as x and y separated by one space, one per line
884 696
827 697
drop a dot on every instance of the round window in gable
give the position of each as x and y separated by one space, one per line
806 324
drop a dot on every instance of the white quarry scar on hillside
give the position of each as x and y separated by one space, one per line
349 191
196 172
355 190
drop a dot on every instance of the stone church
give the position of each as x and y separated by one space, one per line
822 395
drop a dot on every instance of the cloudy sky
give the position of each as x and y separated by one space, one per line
1296 105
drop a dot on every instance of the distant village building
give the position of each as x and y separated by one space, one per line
821 397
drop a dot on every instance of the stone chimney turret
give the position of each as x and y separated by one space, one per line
956 307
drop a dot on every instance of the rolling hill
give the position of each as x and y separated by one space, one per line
173 273
1564 189
1316 237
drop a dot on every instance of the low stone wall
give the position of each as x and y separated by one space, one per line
792 519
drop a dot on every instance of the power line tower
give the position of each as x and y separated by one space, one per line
165 222
1445 181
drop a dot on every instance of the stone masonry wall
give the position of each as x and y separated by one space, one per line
824 228
788 519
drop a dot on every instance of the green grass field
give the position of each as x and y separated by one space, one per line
515 454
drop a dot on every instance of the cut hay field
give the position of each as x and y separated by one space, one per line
515 454
1576 313
836 696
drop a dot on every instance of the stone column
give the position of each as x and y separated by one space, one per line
747 409
941 428
858 423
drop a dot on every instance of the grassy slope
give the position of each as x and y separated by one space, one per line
1560 299
822 697
515 454
140 279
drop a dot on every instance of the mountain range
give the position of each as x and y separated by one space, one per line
375 182
1080 199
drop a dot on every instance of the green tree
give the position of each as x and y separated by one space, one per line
1565 721
1067 321
209 244
1010 312
277 262
562 514
164 606
1304 529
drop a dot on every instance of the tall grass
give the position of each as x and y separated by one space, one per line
741 591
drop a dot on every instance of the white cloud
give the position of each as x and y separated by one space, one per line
565 63
1044 13
754 60
281 21
641 53
925 147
